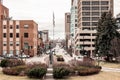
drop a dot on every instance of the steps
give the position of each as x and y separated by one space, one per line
49 74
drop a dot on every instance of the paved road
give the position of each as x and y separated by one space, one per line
37 59
110 69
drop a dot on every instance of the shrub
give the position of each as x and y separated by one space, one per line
11 62
60 72
14 70
36 72
4 63
83 71
36 64
60 58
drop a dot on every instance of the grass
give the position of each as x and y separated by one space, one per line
110 65
100 76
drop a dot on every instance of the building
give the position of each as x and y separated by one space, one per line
67 28
44 39
89 11
17 36
73 20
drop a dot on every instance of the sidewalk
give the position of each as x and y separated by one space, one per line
110 69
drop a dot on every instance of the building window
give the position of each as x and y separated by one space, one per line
86 3
11 53
4 43
104 2
25 45
4 52
17 52
11 27
104 8
4 35
26 35
11 43
86 13
95 13
86 23
4 26
86 18
11 35
17 43
17 26
95 2
26 26
85 8
95 8
17 35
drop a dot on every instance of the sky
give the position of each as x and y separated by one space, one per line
41 11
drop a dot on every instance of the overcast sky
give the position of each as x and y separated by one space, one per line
41 11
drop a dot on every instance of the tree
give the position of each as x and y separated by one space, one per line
106 32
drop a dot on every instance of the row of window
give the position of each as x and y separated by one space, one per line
87 40
10 52
88 18
95 2
11 43
17 26
87 34
89 24
26 35
95 8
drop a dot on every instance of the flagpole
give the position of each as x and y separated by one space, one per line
53 24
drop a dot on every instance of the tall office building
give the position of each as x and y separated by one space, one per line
73 20
67 28
17 36
89 11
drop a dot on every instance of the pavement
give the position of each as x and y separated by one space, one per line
106 69
37 59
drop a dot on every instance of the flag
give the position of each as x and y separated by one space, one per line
53 20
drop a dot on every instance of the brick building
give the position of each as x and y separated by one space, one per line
17 36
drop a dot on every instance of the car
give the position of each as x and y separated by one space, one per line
23 56
79 58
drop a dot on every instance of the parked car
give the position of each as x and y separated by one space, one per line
23 56
79 58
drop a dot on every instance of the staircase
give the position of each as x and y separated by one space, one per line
49 74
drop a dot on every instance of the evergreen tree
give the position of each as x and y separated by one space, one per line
106 32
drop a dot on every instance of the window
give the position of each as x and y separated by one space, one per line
86 13
95 13
4 35
26 35
104 8
4 52
68 18
4 26
17 35
95 18
11 43
26 26
11 53
86 3
94 23
17 26
17 43
11 35
86 23
25 45
11 27
104 2
95 2
17 52
4 43
86 18
95 8
85 8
